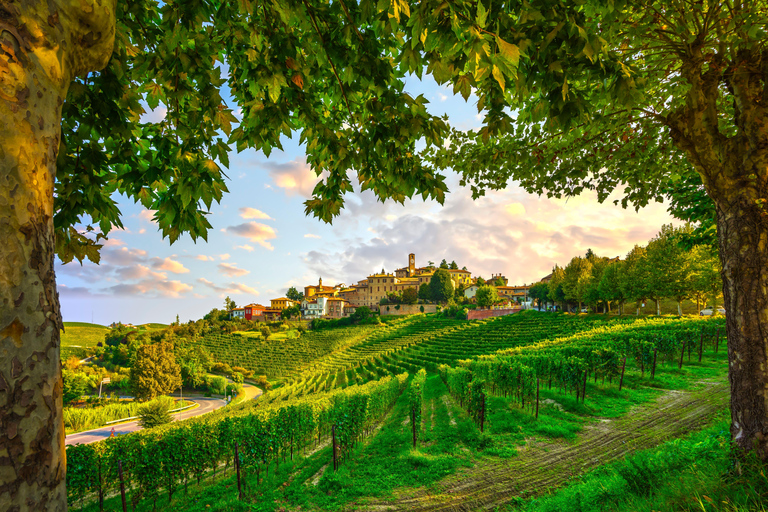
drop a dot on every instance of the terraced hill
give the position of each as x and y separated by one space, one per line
78 337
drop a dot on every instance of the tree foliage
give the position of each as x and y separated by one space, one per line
155 371
294 294
441 286
486 296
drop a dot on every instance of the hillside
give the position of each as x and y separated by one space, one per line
501 398
78 337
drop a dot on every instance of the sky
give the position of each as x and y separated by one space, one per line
262 243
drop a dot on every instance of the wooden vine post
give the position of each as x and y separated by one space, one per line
584 389
717 339
122 484
537 398
680 364
623 367
333 443
653 368
701 343
482 412
237 468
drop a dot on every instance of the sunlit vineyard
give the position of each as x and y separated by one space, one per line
339 383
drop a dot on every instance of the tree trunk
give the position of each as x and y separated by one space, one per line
679 309
658 307
743 238
44 46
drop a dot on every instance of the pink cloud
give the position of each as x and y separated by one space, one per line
255 232
231 270
169 265
253 213
295 177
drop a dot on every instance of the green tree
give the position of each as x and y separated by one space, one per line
479 281
577 277
498 282
539 292
441 286
155 371
706 281
556 293
453 266
265 331
444 264
610 284
229 304
486 296
291 312
634 280
425 292
294 294
410 296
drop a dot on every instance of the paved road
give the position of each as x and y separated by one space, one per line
207 404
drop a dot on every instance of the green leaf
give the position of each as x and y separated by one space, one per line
482 14
510 52
499 76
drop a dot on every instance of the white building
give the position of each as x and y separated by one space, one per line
314 308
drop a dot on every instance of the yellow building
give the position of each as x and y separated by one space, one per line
282 303
320 290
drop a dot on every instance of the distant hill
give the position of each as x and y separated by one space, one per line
78 337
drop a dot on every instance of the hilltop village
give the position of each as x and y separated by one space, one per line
339 301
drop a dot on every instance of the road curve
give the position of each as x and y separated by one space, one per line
207 404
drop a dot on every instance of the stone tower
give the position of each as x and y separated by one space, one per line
411 264
320 283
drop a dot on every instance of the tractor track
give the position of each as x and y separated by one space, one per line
542 465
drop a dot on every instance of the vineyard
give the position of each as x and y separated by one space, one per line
353 409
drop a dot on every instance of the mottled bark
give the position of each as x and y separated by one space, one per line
42 47
734 169
743 236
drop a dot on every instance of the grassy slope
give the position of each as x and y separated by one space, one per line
78 337
455 461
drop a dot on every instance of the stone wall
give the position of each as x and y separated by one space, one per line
407 309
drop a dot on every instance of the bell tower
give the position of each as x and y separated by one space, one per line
411 264
320 283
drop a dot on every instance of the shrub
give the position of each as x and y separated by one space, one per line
156 413
237 377
261 381
216 384
244 371
222 368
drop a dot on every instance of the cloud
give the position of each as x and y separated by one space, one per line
147 215
138 272
169 265
231 270
310 235
295 177
509 232
142 231
151 287
255 232
228 289
122 256
224 256
253 213
203 257
245 247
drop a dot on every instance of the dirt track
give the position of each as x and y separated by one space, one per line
540 466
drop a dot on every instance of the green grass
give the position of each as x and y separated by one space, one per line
694 473
382 465
78 337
